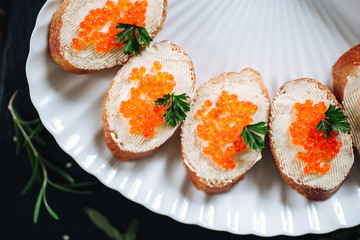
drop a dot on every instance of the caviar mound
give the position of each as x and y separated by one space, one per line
81 37
222 125
245 91
91 29
318 150
144 115
128 134
312 185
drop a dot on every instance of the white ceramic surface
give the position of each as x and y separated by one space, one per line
282 39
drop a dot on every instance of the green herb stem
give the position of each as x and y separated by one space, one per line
104 224
24 139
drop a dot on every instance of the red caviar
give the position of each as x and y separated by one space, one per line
76 44
319 151
222 125
140 107
124 11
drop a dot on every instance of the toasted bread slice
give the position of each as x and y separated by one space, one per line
64 28
126 146
313 186
346 84
207 175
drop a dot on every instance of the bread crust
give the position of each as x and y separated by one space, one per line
116 150
346 65
199 182
310 193
259 80
54 40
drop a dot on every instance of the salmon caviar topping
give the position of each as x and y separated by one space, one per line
144 115
319 150
76 44
222 125
93 30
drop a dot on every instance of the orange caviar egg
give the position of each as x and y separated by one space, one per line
76 44
157 66
319 151
222 125
95 29
144 116
208 104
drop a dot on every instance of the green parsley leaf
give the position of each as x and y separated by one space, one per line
335 120
133 36
143 36
253 140
177 108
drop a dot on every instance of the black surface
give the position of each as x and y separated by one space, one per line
17 211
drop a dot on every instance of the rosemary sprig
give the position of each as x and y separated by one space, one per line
25 134
133 36
253 140
103 223
177 108
335 120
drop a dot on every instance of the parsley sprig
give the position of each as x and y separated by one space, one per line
26 133
133 36
177 108
253 140
104 224
335 120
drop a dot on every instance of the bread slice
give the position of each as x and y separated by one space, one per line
207 175
122 144
346 84
65 26
313 186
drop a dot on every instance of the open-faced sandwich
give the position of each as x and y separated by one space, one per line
223 134
310 139
90 35
147 100
346 75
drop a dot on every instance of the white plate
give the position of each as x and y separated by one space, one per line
283 40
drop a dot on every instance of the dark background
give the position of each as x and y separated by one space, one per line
17 21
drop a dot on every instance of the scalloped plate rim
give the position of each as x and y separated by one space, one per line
100 177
